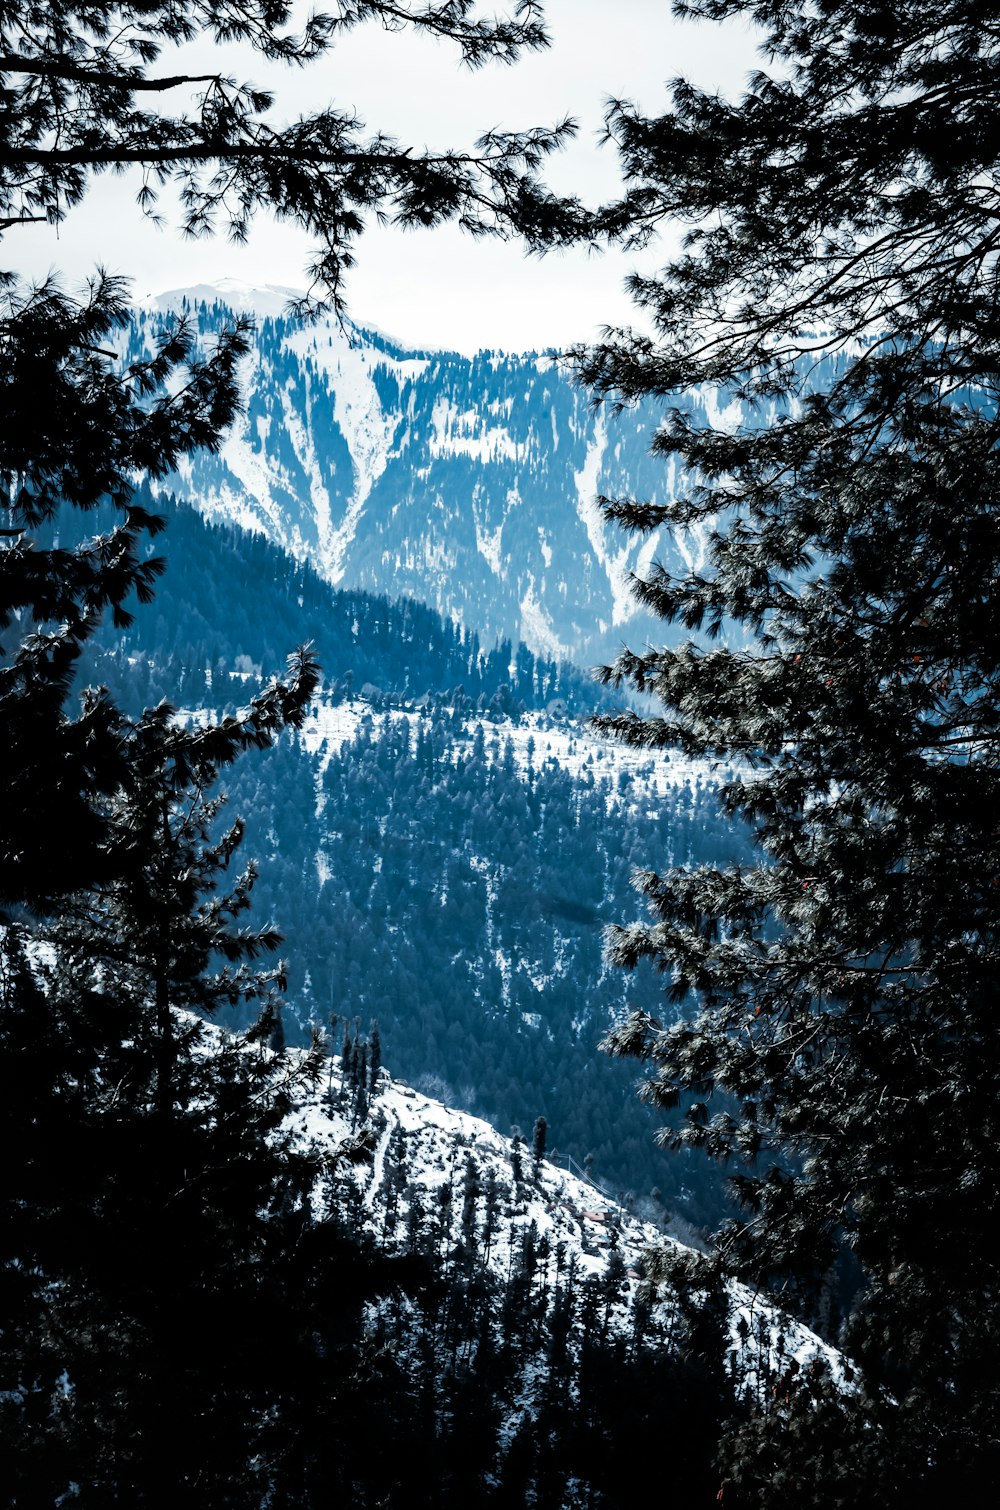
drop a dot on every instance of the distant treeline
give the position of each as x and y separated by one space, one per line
232 605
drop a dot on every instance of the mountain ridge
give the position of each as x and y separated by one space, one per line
442 842
466 483
605 1241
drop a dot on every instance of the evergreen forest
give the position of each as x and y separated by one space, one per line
272 848
423 877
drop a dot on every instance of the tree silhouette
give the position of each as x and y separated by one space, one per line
839 282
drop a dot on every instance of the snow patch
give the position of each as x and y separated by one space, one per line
630 777
537 631
305 450
357 410
723 416
458 432
692 542
266 299
614 563
488 542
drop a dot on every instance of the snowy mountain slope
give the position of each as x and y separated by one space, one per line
454 1176
452 891
467 483
450 873
536 739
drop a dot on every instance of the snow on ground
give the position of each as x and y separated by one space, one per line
263 300
536 626
536 739
573 1215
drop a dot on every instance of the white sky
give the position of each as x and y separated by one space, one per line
433 288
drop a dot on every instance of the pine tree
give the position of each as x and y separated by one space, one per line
77 431
168 1292
155 927
175 1322
539 1138
84 94
839 280
374 1057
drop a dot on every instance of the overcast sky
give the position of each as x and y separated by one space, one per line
435 288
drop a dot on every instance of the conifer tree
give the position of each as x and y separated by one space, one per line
95 87
173 1320
77 430
374 1057
538 1141
163 1270
839 279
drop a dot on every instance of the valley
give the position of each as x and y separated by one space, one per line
442 844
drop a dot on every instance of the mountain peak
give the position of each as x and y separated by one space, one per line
260 299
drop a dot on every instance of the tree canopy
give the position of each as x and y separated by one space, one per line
177 1317
90 89
838 284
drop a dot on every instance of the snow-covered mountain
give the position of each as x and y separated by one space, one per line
437 858
468 483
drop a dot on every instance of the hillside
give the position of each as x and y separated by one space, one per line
440 1177
443 852
468 484
544 1297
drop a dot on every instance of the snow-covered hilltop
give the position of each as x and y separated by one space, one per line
535 739
443 1183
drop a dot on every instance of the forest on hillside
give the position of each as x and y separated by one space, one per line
232 605
422 878
191 1309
